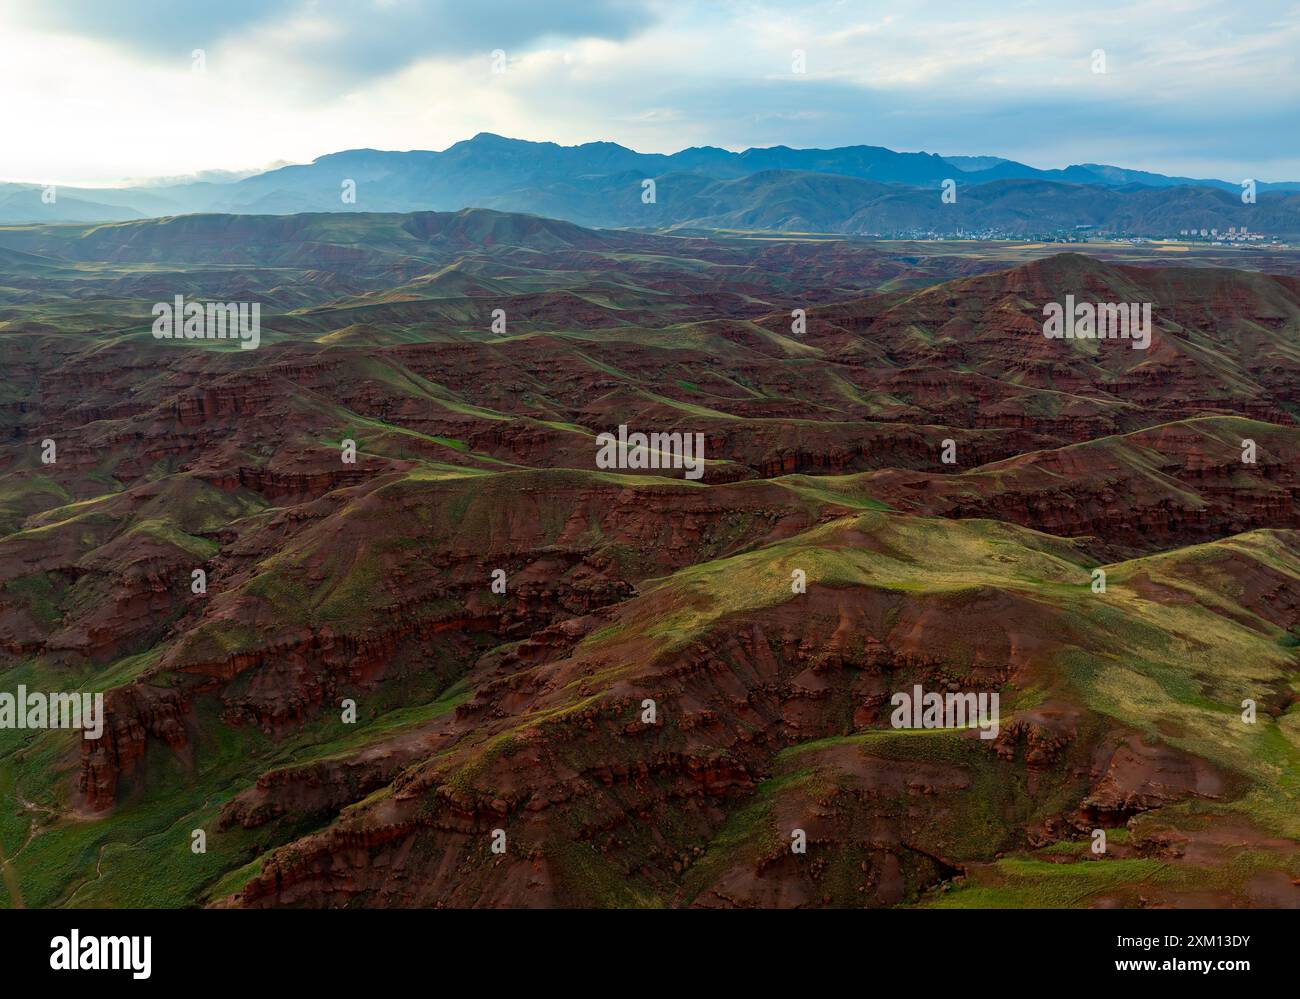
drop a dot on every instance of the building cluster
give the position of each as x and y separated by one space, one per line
1235 234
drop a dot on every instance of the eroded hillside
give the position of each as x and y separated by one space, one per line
906 484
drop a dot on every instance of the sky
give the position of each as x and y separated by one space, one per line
97 93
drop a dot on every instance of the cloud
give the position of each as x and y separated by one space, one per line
341 39
155 27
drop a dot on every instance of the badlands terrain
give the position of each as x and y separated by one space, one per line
477 711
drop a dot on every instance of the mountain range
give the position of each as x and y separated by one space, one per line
355 715
862 190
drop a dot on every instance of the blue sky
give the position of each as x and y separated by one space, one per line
101 93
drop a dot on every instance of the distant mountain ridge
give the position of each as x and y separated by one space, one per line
853 189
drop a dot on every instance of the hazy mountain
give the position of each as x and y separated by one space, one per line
971 164
854 189
24 203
